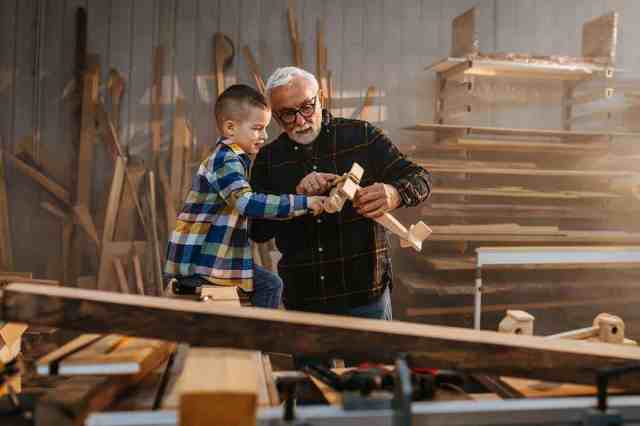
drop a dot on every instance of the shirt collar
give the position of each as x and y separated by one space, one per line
232 146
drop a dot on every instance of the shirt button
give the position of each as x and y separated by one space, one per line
320 249
318 220
322 277
295 148
315 167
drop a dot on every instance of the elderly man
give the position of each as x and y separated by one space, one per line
332 263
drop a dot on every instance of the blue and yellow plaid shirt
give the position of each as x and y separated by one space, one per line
211 238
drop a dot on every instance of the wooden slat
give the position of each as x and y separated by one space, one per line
137 269
121 275
167 197
156 108
324 336
496 211
84 219
157 260
130 209
447 128
88 131
474 144
6 248
294 35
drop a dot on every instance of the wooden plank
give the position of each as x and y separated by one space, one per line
72 401
156 109
84 219
600 38
515 211
169 205
48 364
88 131
113 204
121 355
52 187
128 215
464 37
6 248
476 144
519 192
325 336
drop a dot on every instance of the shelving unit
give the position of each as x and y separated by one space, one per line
497 186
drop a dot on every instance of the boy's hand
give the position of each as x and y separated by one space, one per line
315 183
315 203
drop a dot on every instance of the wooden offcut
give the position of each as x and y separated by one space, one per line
600 38
318 335
464 37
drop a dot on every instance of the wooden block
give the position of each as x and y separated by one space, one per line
322 336
219 384
220 294
6 248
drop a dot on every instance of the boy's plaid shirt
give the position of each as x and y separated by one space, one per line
211 237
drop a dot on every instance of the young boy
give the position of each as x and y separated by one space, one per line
210 243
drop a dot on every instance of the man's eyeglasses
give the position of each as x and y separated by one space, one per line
306 110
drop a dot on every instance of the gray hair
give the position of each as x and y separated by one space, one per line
284 75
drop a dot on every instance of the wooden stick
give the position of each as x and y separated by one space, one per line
154 232
156 109
122 276
294 35
137 268
325 336
178 145
116 89
84 219
6 248
169 204
254 69
113 204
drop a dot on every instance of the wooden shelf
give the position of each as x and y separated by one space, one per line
524 169
468 263
480 130
539 68
519 192
494 144
519 211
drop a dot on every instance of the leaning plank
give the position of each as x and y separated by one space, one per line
6 250
254 69
113 204
54 188
318 335
155 244
178 150
107 279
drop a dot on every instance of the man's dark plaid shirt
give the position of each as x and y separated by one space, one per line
334 262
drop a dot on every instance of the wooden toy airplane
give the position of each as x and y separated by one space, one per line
345 189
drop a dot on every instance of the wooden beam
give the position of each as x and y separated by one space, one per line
324 336
6 248
137 269
110 134
91 87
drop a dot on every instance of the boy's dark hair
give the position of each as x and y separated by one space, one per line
233 103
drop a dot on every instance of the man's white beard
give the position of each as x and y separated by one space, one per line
305 138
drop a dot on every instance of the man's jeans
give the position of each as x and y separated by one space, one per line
380 309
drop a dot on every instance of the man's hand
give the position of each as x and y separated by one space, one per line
316 204
315 183
376 200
